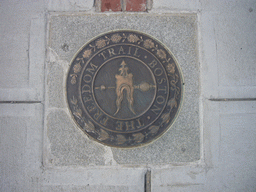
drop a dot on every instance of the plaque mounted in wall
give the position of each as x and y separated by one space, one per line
124 88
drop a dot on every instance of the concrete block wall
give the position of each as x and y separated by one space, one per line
226 55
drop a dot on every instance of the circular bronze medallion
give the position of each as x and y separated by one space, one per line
124 88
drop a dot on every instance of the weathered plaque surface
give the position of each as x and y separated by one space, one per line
124 88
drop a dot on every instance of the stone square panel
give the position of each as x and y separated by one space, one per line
66 144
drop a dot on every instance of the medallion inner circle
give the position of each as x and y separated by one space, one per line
124 88
108 70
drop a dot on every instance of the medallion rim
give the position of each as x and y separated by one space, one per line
182 88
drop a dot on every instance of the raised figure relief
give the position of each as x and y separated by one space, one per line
124 82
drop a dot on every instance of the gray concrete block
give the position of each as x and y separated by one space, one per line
208 59
21 146
15 28
237 148
228 45
235 168
178 179
37 56
88 188
22 51
230 146
236 44
12 169
69 5
94 179
229 153
67 33
176 5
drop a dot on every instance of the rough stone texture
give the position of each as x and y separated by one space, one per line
68 146
56 86
173 146
179 33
